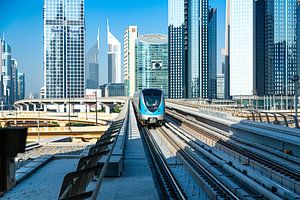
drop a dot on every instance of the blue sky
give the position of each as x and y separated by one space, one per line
22 23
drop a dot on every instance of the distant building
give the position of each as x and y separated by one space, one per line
114 58
64 48
112 90
10 83
130 36
21 86
152 62
6 74
92 66
212 55
220 86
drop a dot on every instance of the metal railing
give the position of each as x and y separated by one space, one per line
75 184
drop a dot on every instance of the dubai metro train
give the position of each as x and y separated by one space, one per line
150 106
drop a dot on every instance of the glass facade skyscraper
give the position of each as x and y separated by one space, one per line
188 49
64 48
241 47
152 62
212 54
281 57
177 46
9 71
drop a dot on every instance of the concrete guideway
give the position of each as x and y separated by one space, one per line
282 139
136 181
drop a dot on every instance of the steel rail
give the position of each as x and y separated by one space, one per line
171 186
210 177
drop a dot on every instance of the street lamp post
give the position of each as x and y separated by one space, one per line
38 139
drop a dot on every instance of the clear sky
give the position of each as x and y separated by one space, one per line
22 23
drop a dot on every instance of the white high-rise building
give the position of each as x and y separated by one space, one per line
242 21
114 58
64 48
130 36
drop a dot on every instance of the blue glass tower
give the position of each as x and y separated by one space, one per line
212 54
281 59
188 48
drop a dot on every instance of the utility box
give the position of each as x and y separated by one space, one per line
12 142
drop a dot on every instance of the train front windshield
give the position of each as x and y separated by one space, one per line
152 100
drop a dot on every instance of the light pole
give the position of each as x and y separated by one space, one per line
38 139
295 79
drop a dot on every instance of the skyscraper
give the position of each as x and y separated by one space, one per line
212 54
281 58
21 86
6 74
130 36
152 62
188 49
114 58
64 48
241 47
177 61
92 66
227 53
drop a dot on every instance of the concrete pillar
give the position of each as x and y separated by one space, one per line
107 109
27 107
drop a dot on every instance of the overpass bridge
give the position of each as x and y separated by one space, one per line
196 154
72 105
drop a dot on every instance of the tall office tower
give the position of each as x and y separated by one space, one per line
242 47
227 52
177 62
92 66
64 48
212 54
21 86
152 62
114 58
130 36
280 46
14 78
259 73
6 74
188 48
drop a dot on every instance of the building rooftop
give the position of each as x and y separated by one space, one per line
154 38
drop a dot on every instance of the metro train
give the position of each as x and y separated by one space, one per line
150 106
